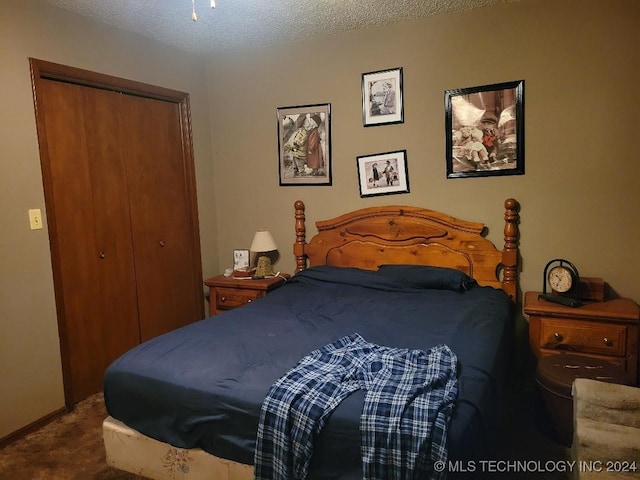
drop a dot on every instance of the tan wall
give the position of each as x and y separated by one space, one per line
579 195
30 371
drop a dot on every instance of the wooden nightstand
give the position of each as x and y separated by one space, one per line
605 330
226 293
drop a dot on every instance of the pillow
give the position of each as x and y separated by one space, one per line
423 276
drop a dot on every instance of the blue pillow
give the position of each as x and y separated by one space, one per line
423 276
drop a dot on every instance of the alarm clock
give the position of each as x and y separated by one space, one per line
562 277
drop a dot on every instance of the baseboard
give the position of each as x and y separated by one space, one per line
32 427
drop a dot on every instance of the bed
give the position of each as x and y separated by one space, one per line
186 404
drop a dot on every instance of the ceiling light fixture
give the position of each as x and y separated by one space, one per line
194 16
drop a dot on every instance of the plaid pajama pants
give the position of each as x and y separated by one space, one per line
408 402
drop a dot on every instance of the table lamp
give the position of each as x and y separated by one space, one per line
264 246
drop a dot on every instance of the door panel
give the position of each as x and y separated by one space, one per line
118 328
91 232
161 225
121 207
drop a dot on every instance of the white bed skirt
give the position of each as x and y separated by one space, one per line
133 452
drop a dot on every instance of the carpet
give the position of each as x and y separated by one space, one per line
71 447
527 442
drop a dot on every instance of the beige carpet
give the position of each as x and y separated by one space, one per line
71 447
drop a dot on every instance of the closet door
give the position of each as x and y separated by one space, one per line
90 231
165 243
119 188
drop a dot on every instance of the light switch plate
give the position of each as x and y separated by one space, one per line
35 219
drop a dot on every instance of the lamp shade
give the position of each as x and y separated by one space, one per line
263 242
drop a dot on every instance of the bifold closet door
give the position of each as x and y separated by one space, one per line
119 187
91 235
164 240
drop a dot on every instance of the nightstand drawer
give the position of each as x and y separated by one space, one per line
606 330
581 336
228 298
226 293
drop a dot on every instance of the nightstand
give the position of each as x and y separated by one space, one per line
604 330
226 293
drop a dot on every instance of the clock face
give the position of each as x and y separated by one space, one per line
560 279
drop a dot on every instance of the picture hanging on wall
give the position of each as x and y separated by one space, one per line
382 102
304 145
383 173
485 130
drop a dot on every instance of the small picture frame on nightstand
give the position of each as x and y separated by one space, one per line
241 259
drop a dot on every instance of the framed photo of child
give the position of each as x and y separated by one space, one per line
485 130
383 173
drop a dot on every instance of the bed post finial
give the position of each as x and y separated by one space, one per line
510 250
298 247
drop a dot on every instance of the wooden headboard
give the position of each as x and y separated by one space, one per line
370 237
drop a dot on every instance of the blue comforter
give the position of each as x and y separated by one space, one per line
203 385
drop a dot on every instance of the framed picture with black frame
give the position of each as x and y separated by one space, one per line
382 97
383 173
485 130
304 145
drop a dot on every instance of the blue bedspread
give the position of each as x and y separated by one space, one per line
403 426
203 385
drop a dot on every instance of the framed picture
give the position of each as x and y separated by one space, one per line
383 173
241 259
485 130
382 102
304 145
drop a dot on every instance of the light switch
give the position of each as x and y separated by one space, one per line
35 219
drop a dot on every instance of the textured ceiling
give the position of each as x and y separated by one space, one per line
252 23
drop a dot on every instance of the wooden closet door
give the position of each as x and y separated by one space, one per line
90 231
166 245
119 187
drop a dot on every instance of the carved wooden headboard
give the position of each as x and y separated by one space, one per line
370 237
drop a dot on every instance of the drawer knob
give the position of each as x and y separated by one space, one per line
557 336
607 341
223 299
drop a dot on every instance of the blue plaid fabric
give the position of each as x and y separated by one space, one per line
408 403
